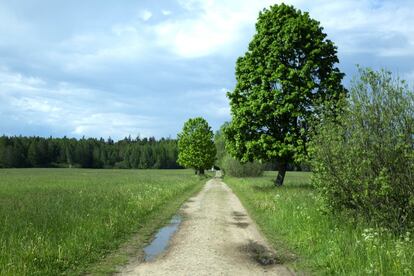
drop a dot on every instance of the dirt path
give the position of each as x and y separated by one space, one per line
217 237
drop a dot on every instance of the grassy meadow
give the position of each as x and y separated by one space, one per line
59 221
316 242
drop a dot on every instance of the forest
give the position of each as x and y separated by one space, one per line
128 153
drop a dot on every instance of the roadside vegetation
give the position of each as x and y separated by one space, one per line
353 215
356 215
318 242
363 156
58 221
230 165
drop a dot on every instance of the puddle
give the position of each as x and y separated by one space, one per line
162 239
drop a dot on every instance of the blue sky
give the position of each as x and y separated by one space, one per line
102 68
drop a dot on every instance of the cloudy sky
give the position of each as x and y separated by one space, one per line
101 68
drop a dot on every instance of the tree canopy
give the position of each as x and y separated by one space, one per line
196 145
287 75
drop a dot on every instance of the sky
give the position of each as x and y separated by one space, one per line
117 68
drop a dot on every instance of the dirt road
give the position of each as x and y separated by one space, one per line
217 237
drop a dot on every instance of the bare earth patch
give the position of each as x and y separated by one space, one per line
217 237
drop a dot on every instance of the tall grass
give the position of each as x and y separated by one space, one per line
323 244
55 221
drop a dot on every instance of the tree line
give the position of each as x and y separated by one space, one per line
146 153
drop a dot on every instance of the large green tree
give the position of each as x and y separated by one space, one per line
196 145
287 75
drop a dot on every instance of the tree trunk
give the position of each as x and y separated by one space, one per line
281 174
201 171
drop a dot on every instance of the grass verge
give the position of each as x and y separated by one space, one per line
318 243
132 249
60 221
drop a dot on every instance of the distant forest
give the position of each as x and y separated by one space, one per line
146 153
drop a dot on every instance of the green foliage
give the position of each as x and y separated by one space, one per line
230 165
220 142
196 145
146 153
234 167
364 164
285 77
320 243
58 221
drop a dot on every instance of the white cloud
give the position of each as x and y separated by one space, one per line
220 28
216 27
380 28
79 111
96 51
355 26
35 104
145 15
189 4
166 12
110 124
10 80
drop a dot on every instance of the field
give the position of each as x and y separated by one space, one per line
310 240
55 221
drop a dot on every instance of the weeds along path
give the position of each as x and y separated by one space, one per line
217 237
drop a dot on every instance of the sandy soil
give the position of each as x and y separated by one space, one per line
216 237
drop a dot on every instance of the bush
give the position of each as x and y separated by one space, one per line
233 167
363 158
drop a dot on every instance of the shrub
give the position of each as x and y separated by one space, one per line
363 158
233 167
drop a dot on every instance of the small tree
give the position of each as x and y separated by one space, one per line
196 145
285 77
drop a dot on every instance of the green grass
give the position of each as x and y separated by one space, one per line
60 221
323 244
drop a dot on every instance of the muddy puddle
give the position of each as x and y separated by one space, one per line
162 239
